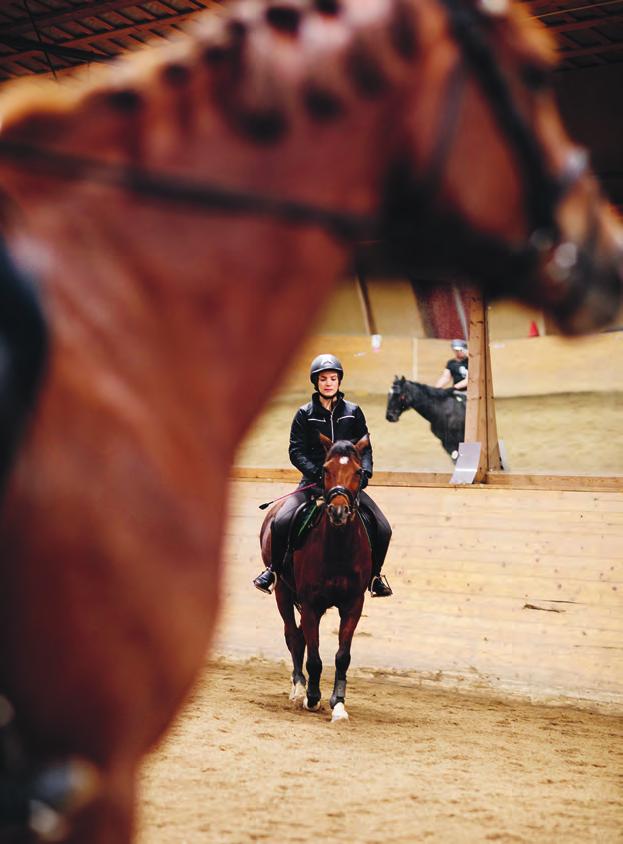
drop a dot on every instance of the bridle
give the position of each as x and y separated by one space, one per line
543 192
339 490
402 399
185 192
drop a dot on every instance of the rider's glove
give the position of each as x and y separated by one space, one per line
365 477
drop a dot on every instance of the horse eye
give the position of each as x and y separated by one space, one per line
536 78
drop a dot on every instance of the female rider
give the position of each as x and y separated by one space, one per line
330 414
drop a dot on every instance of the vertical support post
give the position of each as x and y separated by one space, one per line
480 451
364 298
494 458
476 412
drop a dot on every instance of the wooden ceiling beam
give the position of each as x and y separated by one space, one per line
590 51
30 48
80 11
26 47
589 23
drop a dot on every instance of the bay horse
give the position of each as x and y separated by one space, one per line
332 568
185 215
444 409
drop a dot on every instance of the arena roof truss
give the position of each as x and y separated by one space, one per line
54 36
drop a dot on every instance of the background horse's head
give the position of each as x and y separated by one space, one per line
342 477
397 401
483 147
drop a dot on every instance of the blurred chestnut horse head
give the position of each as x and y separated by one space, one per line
185 215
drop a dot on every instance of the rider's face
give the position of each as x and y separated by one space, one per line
460 354
328 383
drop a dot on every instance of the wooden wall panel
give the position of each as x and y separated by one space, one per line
543 365
509 320
367 370
511 591
521 367
394 307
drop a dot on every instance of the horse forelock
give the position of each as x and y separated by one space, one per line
342 448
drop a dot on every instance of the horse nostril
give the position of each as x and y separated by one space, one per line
338 513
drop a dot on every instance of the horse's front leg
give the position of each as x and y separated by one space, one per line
349 619
294 639
310 622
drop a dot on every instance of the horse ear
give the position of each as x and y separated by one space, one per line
363 443
325 442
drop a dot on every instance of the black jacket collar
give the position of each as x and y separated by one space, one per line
318 406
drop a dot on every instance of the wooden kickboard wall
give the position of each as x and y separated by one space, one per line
512 591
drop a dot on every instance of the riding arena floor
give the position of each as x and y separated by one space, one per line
414 762
244 764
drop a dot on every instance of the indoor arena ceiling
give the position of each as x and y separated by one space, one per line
52 36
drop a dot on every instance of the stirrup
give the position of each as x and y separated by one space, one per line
386 589
267 588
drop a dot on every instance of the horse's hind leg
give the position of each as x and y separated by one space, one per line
310 622
294 640
349 619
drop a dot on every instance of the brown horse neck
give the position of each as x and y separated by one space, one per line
292 110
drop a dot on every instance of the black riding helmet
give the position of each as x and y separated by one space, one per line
324 363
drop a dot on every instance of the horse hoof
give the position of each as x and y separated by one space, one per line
297 692
311 707
339 713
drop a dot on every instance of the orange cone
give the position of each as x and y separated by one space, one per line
534 330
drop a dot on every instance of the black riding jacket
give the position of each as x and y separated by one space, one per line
458 370
345 422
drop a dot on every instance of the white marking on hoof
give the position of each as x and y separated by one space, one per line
309 708
339 713
297 692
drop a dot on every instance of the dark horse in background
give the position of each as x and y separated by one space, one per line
186 215
332 569
444 409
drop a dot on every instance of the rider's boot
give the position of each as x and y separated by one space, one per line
379 587
265 581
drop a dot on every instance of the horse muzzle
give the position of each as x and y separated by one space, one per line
340 514
392 415
583 287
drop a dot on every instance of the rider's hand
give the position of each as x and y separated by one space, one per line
318 488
